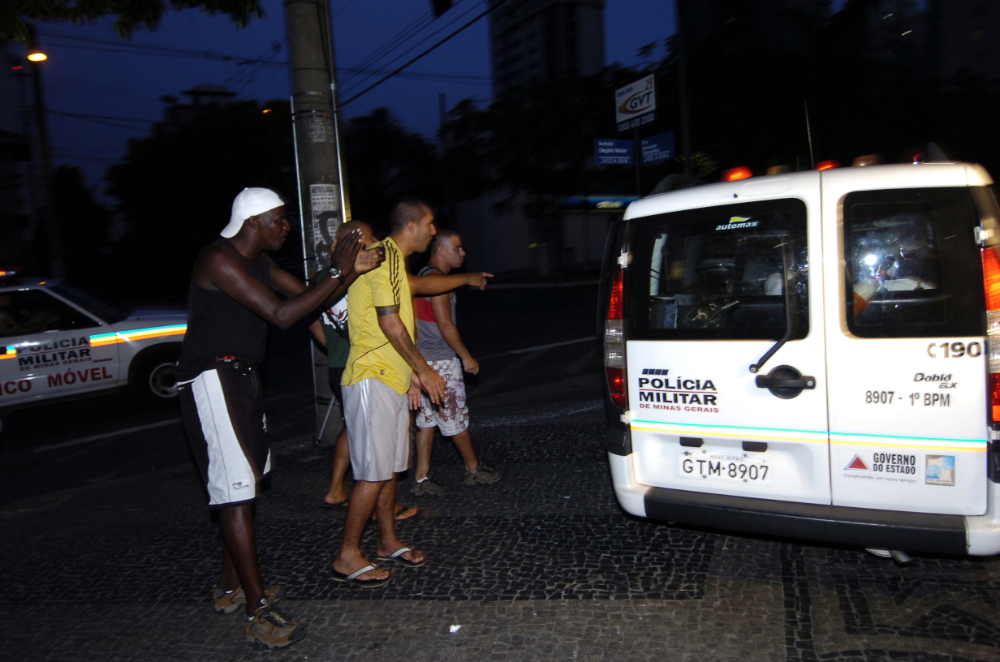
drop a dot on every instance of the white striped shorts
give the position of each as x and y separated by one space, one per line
223 413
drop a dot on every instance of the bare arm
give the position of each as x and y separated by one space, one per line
442 314
222 269
316 328
351 261
397 335
439 284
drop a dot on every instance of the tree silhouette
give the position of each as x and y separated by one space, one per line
130 15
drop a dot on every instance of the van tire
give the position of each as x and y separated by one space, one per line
154 376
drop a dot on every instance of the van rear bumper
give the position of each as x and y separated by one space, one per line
911 532
881 529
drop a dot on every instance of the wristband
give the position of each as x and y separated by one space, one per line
335 273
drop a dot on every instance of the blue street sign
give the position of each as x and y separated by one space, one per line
658 147
612 152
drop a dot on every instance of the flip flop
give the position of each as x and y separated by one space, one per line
334 506
353 578
401 512
397 557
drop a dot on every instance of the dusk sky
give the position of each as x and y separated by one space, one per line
91 72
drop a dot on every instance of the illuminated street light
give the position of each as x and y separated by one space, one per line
46 212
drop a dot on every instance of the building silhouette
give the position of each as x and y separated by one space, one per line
967 37
533 41
787 25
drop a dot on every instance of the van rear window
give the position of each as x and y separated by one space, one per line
912 264
721 273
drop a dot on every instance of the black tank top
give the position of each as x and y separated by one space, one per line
220 326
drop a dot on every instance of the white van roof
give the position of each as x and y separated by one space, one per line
865 178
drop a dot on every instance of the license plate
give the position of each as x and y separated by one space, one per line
728 467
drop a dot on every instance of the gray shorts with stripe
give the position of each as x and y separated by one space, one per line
378 430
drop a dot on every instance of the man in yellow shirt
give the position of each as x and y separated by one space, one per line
382 365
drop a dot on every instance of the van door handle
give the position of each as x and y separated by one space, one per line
765 381
785 382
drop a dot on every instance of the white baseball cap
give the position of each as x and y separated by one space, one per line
250 202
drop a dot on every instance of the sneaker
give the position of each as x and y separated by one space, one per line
227 603
484 475
427 487
269 626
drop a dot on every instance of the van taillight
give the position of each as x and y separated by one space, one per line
991 287
614 343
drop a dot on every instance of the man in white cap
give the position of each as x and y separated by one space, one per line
231 301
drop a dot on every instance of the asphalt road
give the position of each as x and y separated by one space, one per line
59 446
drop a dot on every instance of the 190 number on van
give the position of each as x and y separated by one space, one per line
955 350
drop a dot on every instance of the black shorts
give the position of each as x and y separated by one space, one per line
223 413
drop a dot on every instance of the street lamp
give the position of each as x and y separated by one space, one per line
57 267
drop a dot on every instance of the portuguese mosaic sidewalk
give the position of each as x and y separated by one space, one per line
541 566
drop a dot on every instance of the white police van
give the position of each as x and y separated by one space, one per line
812 355
56 341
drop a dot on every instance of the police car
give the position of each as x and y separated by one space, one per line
57 341
813 355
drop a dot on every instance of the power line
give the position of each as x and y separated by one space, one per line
59 154
454 78
426 39
346 5
103 120
402 36
252 71
399 69
102 117
136 47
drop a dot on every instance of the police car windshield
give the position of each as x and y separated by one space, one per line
100 309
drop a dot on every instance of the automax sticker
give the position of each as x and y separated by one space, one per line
738 223
900 466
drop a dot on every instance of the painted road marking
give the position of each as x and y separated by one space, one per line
106 435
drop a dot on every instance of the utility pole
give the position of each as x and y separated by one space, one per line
449 186
323 203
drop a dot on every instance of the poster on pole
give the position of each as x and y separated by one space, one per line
324 201
658 147
635 104
612 152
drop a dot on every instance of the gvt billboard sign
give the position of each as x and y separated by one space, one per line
635 103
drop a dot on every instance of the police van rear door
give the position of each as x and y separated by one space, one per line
710 291
907 359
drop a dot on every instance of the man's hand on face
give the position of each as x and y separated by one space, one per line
369 259
432 383
478 279
345 250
